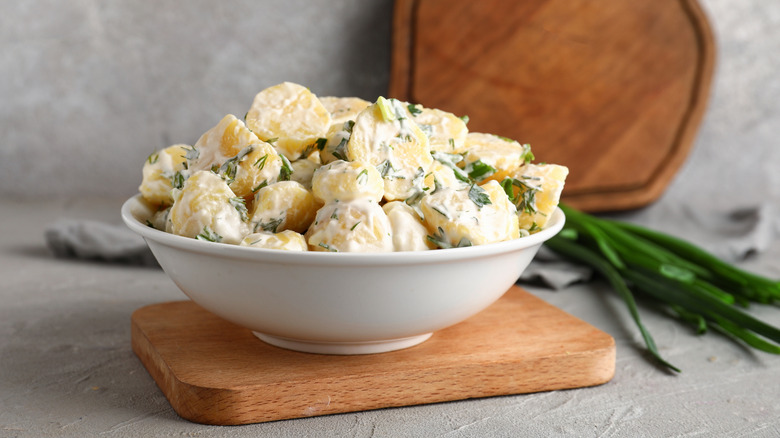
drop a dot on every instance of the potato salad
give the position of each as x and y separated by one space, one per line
341 174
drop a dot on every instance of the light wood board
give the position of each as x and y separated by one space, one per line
215 372
613 89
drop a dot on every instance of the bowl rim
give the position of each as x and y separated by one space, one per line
136 205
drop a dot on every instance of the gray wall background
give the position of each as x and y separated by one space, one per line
89 88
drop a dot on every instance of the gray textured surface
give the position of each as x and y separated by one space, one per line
89 88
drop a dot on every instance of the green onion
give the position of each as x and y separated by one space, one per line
693 285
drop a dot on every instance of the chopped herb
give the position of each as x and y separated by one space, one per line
209 235
385 168
354 226
478 171
328 247
534 227
426 129
320 143
335 214
348 125
414 109
240 205
272 140
479 196
177 181
452 143
464 118
441 212
192 153
527 156
525 199
149 224
153 157
440 239
230 167
451 161
271 226
418 187
340 151
260 163
215 168
362 177
260 186
286 171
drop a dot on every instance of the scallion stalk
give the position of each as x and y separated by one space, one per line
697 287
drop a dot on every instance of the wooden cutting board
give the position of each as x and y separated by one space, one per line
215 372
613 89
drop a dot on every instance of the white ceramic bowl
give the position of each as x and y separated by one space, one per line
339 303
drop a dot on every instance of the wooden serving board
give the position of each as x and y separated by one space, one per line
215 372
613 89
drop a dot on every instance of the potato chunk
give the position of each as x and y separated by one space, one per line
473 215
342 109
335 147
287 240
409 233
205 208
303 170
502 154
292 115
347 180
220 143
446 131
256 166
385 136
355 226
158 172
538 193
286 205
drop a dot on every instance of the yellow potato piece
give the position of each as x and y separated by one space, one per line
255 167
537 202
385 136
504 154
225 140
158 171
409 233
446 176
287 240
453 216
336 142
355 226
347 180
303 170
286 205
292 115
207 209
446 131
342 109
160 220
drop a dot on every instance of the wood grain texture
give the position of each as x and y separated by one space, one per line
215 372
613 89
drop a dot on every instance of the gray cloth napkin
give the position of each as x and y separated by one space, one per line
92 240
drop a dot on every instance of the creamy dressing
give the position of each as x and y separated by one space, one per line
409 234
359 225
203 203
460 217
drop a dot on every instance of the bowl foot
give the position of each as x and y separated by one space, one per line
343 348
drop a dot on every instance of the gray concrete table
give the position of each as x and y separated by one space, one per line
67 369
